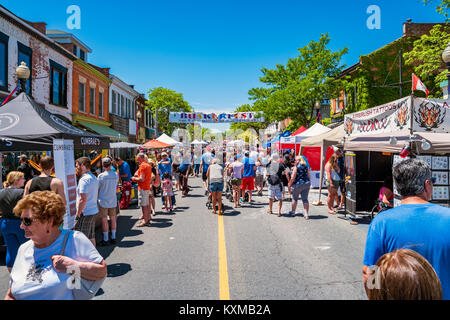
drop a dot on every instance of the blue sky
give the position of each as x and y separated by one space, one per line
213 51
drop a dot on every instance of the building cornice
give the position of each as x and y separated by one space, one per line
94 71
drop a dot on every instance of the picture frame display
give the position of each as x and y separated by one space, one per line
441 177
440 193
440 163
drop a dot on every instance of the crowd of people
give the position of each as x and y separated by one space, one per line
33 206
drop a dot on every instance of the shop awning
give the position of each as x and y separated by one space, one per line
155 144
104 131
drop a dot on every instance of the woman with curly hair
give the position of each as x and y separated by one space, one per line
40 272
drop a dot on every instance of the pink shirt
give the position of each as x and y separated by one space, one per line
167 185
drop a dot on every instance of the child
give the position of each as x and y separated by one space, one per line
167 187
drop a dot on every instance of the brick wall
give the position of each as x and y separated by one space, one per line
417 29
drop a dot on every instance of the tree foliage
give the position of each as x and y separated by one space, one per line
291 91
442 8
163 101
426 57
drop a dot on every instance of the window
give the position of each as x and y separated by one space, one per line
58 84
122 106
82 55
25 54
92 101
82 97
114 102
127 109
75 50
4 62
100 104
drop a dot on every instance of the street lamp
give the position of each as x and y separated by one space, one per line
317 107
139 117
23 74
446 59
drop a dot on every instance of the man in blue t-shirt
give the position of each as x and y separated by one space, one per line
165 165
416 224
248 178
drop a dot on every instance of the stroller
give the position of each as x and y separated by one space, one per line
228 188
209 201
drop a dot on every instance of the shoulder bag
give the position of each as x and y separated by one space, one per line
88 288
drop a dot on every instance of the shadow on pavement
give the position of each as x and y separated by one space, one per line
118 269
161 223
125 226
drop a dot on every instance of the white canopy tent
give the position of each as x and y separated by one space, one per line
315 130
124 145
166 139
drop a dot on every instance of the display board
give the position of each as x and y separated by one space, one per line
63 151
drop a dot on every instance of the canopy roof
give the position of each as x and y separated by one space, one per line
168 140
328 138
440 142
124 145
26 126
155 144
299 130
315 130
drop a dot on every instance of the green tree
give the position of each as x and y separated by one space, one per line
426 57
292 91
442 8
163 101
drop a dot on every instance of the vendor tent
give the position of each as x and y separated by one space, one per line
26 126
155 144
196 142
168 140
324 142
299 130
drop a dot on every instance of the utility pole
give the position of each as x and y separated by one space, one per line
401 76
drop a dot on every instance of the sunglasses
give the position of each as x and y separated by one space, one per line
27 221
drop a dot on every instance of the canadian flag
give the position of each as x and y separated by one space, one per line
418 85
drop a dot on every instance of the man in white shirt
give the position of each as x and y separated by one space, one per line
87 196
107 201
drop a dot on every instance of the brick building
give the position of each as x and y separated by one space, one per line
50 64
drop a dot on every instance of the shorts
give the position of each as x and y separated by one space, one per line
107 212
86 225
236 182
167 194
216 187
248 183
301 190
259 180
334 184
275 191
144 196
204 177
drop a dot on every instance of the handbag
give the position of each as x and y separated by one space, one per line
88 288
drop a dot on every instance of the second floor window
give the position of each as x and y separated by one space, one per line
114 102
100 104
92 101
4 62
25 54
82 97
58 84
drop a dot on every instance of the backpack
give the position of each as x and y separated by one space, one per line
302 175
273 179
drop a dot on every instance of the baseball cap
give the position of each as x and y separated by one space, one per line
164 154
106 161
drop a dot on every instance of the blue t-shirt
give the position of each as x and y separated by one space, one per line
165 167
125 169
423 228
249 165
206 160
184 165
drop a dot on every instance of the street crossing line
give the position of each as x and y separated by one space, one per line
223 267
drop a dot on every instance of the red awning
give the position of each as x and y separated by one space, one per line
299 130
155 144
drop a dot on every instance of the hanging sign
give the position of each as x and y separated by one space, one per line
191 117
393 116
63 152
431 115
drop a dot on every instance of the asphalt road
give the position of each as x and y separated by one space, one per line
246 255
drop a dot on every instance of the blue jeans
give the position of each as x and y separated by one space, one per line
174 201
196 169
14 238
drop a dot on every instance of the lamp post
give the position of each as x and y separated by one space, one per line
317 107
22 73
139 117
446 59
